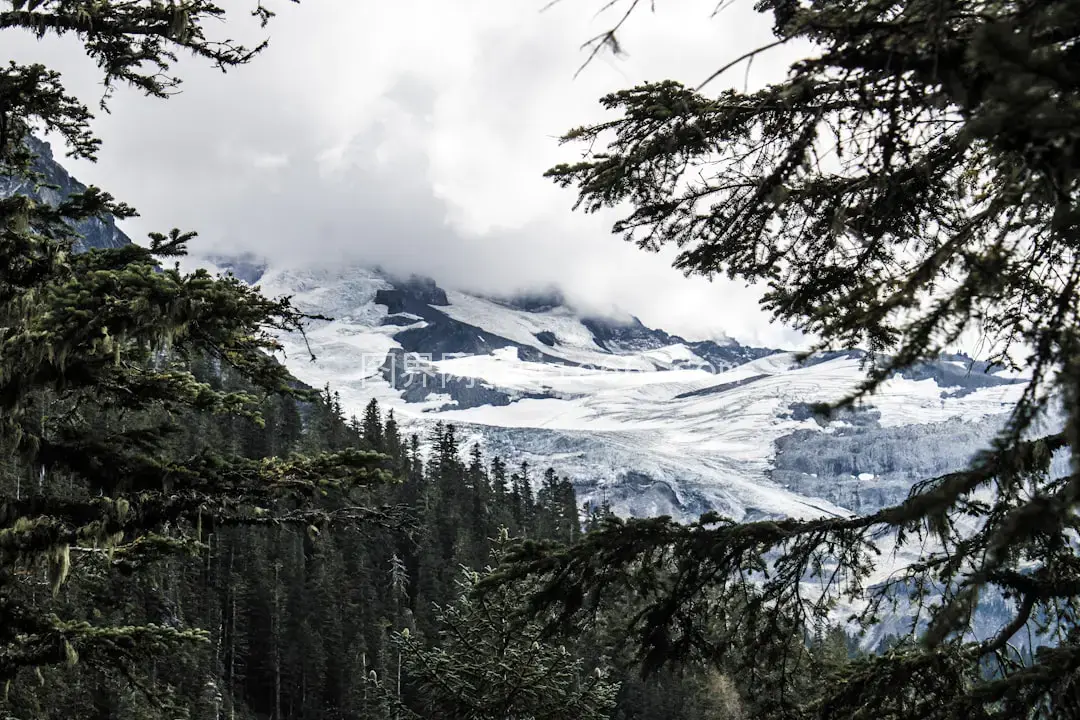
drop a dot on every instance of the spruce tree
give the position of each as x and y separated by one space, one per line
392 439
491 663
566 509
522 495
499 482
915 177
548 509
96 375
372 425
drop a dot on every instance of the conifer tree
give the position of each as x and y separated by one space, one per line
476 474
569 522
517 503
522 497
548 508
502 497
490 663
95 376
915 177
372 428
480 511
499 482
394 447
416 459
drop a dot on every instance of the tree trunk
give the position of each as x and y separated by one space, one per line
276 622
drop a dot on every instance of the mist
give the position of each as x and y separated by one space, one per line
414 136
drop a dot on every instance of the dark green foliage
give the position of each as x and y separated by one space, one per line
557 512
296 609
104 358
165 549
915 178
372 428
490 663
940 117
166 552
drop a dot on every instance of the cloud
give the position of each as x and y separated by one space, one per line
269 161
414 135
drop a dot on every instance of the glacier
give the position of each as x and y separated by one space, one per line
645 421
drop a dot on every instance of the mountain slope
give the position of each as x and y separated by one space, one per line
650 422
95 233
644 419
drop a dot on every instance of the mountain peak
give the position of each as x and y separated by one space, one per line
538 300
95 233
419 288
246 266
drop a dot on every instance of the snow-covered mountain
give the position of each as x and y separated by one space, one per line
648 421
645 420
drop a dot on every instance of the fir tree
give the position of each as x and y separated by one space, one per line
502 498
392 439
416 459
491 664
566 509
372 428
95 382
477 476
499 482
914 178
522 497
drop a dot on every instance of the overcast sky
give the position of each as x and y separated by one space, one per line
414 134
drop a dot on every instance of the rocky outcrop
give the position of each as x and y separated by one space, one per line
95 233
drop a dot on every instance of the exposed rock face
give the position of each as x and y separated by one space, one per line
634 336
547 337
416 290
95 233
247 266
534 301
627 336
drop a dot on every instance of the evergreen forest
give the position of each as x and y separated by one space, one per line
188 532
